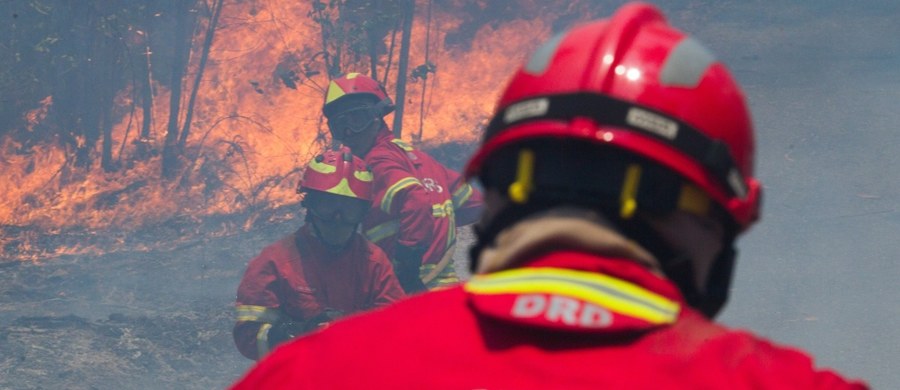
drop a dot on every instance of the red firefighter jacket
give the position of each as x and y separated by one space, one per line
417 201
566 320
297 277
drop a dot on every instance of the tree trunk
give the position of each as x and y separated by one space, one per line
171 151
204 56
145 75
403 64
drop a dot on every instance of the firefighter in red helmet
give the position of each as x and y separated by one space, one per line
417 202
324 270
618 171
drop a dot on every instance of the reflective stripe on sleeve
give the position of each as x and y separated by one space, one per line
382 231
461 195
257 313
442 210
403 145
262 341
392 190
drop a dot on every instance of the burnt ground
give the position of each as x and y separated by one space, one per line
156 318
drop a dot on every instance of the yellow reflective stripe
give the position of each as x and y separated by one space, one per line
334 92
342 188
614 294
321 167
403 145
363 175
257 313
262 340
441 210
461 195
447 277
382 231
392 190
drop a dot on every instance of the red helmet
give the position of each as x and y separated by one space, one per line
635 83
357 84
338 172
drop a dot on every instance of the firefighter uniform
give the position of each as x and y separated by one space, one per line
567 320
418 202
297 278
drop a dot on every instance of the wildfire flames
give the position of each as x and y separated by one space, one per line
251 131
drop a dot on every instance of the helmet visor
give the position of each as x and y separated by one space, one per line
351 122
335 209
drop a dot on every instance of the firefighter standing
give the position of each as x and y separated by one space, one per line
324 270
618 171
418 203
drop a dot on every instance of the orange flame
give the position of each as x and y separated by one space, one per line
251 133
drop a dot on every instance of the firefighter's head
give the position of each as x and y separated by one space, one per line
355 106
630 117
338 191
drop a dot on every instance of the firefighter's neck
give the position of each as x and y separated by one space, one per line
561 228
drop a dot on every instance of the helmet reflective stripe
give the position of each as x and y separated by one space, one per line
335 91
338 172
342 188
686 64
363 175
357 84
542 56
322 167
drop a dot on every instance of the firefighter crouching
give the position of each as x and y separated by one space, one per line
417 202
618 171
321 272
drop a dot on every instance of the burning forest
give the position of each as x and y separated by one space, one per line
124 115
149 149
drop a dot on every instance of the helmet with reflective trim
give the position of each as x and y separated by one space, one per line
355 84
338 172
636 84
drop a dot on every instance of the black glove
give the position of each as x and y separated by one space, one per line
407 260
282 331
324 318
285 330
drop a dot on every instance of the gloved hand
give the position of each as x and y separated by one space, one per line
282 331
285 330
407 260
324 318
